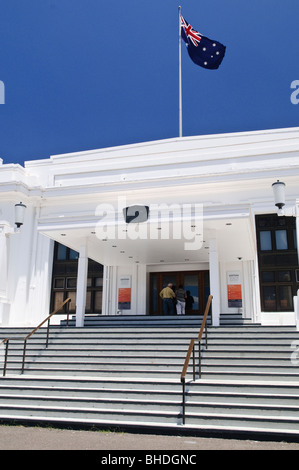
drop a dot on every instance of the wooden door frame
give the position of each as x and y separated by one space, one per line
180 275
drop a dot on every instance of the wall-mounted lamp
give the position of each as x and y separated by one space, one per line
279 195
19 214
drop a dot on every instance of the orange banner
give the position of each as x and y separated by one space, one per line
234 295
234 292
124 298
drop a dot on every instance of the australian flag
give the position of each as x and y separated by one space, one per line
202 50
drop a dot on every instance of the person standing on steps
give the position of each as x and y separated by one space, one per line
181 300
168 296
189 301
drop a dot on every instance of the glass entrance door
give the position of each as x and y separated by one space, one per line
195 283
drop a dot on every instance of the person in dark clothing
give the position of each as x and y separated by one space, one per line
189 301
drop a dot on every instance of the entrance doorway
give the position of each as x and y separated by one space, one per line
195 283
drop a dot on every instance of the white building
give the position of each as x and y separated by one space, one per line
212 225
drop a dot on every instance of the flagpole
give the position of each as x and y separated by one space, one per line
180 77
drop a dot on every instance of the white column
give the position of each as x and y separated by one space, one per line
81 286
106 291
141 290
214 281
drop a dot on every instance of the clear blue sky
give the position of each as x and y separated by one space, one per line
87 74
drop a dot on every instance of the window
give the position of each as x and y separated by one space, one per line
61 252
64 280
268 276
269 294
71 282
73 254
284 276
285 298
278 262
281 240
59 283
265 240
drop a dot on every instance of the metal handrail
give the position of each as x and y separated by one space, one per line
6 340
191 351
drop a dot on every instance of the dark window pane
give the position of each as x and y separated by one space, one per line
265 240
71 283
88 301
72 296
61 252
58 299
265 221
281 221
74 254
295 238
284 276
99 282
268 276
286 298
98 301
269 295
59 283
281 239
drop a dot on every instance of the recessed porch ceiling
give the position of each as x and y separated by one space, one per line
158 244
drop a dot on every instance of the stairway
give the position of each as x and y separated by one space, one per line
125 373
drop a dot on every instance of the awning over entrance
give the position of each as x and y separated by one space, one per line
154 242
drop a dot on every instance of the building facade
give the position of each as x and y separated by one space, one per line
110 227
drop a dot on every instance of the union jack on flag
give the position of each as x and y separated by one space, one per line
202 50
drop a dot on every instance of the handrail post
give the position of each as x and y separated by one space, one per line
68 312
5 358
24 354
206 332
184 401
48 330
199 360
193 360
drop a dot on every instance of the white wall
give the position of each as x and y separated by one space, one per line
29 272
111 282
245 269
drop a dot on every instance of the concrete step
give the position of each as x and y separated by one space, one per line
130 376
94 320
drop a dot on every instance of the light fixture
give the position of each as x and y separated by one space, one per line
279 194
19 214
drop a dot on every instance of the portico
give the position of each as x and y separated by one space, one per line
202 193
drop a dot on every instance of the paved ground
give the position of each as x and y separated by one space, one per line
36 438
